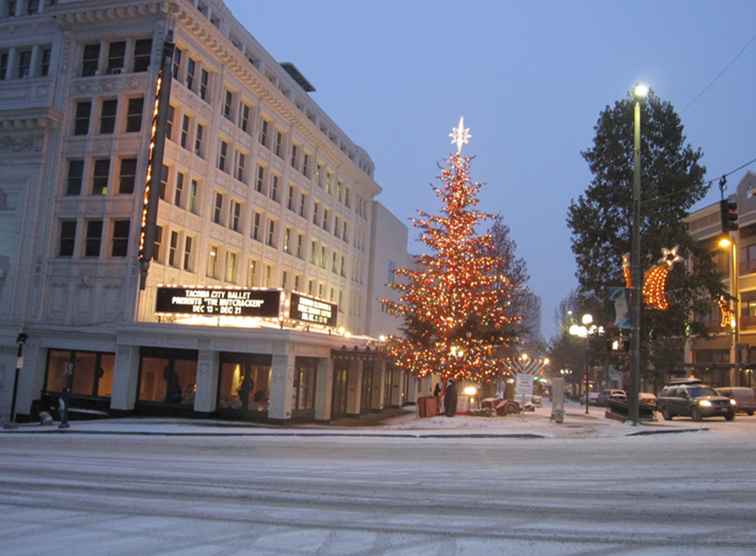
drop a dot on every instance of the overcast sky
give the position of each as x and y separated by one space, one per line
530 78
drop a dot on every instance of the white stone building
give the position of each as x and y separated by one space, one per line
261 195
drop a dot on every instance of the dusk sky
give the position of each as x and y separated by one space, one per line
530 79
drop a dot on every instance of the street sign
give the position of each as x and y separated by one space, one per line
524 387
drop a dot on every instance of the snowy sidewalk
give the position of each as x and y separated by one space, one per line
535 425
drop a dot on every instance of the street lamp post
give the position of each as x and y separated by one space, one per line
640 92
20 341
584 331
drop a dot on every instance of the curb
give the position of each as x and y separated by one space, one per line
665 431
280 434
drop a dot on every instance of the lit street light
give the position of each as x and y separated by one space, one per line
583 331
640 92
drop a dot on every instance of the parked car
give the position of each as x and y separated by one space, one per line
647 398
693 399
745 398
606 395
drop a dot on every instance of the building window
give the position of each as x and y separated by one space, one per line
344 233
120 238
185 123
177 64
204 83
343 270
198 141
100 176
256 225
212 262
297 282
172 248
279 144
314 253
323 256
271 233
188 259
268 275
44 65
326 219
228 105
218 211
81 121
171 116
300 246
274 187
179 189
244 120
222 155
67 238
240 168
252 274
157 252
164 171
75 175
116 56
107 116
127 178
230 267
264 129
142 50
23 65
294 156
311 287
334 263
134 115
3 65
90 59
315 215
284 280
291 203
190 67
235 216
302 203
347 202
194 198
321 291
306 165
260 181
286 240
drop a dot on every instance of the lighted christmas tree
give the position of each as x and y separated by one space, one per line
455 303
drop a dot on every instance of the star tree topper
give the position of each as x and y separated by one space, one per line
460 135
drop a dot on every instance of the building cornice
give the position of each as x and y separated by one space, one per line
86 12
29 119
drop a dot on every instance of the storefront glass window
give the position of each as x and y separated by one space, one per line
244 383
92 372
168 377
304 384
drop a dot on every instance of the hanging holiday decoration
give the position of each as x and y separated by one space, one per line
655 282
455 302
627 271
727 315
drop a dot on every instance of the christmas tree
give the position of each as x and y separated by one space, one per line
455 303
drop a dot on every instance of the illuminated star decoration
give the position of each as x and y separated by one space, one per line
460 135
670 256
655 283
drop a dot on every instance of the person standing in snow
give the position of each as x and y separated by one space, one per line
438 393
450 398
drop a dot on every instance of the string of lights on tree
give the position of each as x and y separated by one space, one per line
455 301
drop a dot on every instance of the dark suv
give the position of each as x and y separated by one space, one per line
695 400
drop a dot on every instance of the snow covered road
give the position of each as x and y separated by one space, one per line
690 493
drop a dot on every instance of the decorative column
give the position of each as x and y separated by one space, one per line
125 379
207 383
128 59
354 392
281 386
10 70
379 382
35 59
324 389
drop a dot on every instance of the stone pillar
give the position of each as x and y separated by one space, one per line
10 70
324 389
281 386
128 59
102 60
354 391
31 378
125 379
207 383
35 60
379 382
412 390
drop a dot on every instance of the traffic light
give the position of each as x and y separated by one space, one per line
728 212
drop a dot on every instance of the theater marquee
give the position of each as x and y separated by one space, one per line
313 310
218 302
